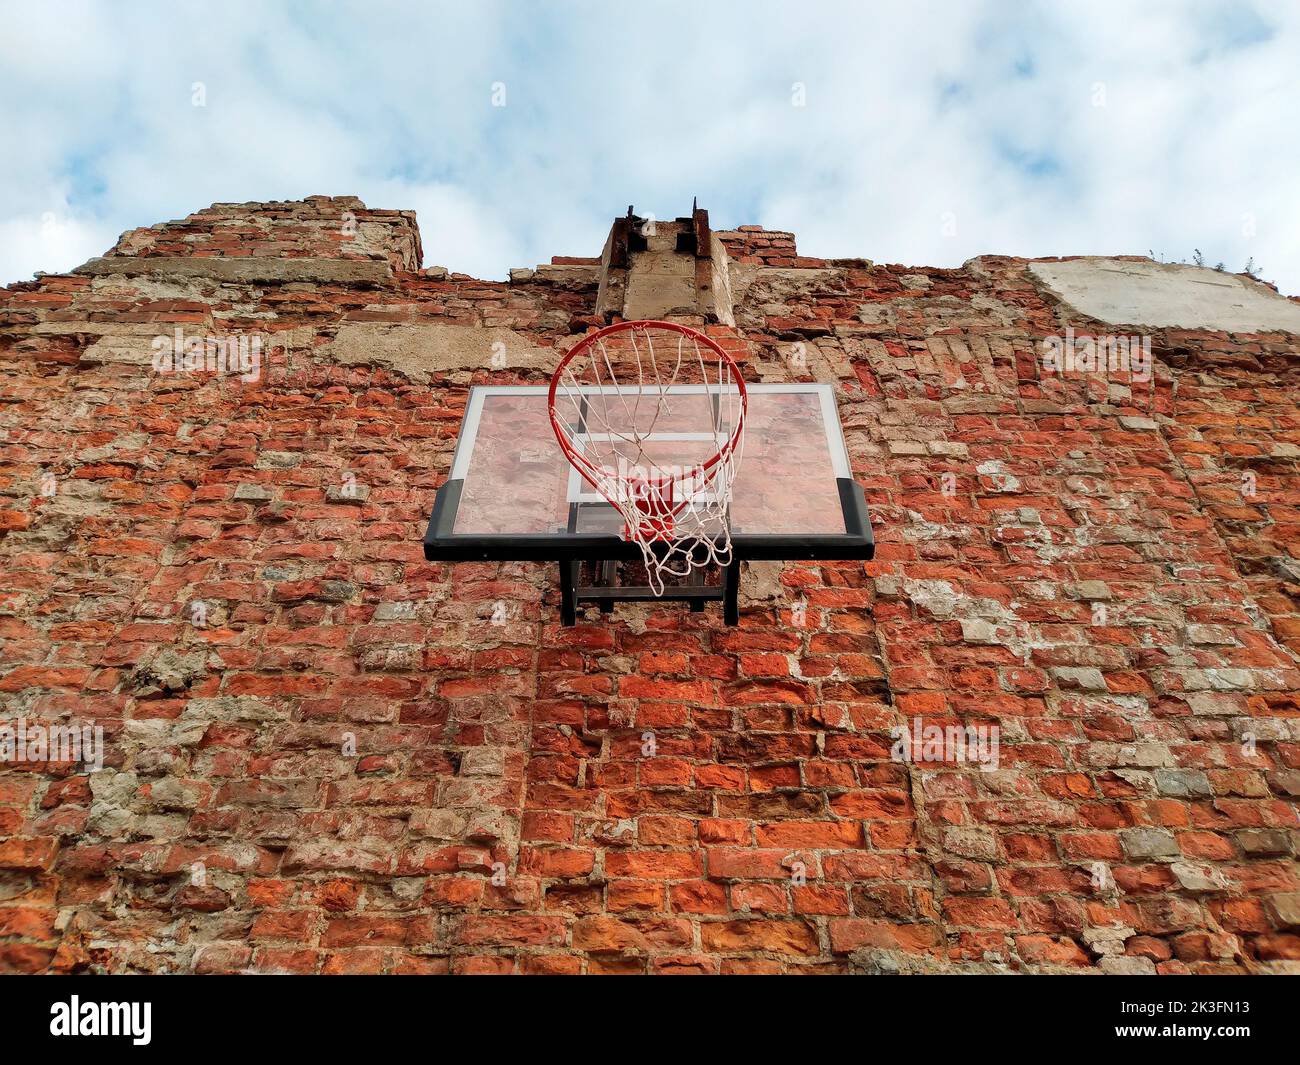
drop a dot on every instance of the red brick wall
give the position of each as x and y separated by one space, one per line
349 767
1238 436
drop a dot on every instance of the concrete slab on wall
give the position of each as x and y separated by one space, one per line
1121 292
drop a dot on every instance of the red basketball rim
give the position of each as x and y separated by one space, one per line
580 461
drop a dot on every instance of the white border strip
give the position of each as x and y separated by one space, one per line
468 432
519 390
834 433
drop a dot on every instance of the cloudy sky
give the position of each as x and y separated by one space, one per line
919 133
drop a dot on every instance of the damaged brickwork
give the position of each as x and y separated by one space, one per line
324 754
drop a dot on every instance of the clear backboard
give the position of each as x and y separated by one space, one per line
513 496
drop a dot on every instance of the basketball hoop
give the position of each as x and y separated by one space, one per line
652 415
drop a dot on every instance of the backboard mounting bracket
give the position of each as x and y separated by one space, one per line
606 592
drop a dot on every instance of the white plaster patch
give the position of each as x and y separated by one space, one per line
1120 292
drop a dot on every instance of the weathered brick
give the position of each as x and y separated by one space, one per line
346 759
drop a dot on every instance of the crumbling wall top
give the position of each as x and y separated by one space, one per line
280 240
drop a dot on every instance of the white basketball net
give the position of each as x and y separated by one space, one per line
665 459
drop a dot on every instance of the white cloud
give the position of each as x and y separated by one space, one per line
983 110
54 236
